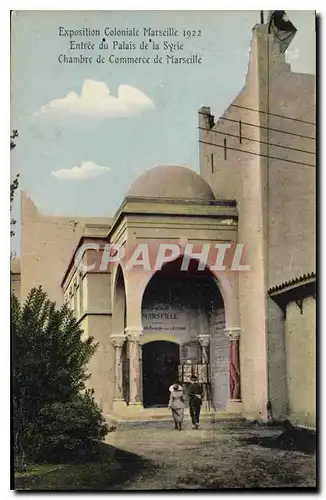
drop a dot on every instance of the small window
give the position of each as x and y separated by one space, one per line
212 163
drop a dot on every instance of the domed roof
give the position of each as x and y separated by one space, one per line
171 181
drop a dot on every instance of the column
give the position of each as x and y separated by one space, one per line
204 341
233 335
133 336
118 340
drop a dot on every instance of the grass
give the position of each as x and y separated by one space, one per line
106 469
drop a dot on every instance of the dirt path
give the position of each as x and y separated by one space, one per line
216 456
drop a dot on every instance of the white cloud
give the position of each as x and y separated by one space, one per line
292 55
86 170
95 100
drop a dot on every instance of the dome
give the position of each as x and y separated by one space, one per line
171 181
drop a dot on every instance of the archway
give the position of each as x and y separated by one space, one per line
119 309
189 305
160 360
119 302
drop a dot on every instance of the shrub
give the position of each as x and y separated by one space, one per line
67 431
52 410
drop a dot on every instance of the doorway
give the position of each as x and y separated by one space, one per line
160 360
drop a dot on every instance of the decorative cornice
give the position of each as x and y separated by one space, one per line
294 291
204 339
133 333
118 339
228 222
71 268
300 280
93 313
224 209
182 201
232 333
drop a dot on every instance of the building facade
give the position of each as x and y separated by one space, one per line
254 200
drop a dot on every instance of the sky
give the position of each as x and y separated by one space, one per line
87 131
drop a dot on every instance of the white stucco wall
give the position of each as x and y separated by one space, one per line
275 201
300 343
47 246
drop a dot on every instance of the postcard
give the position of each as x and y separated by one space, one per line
163 250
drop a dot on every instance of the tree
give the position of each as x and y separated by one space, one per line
13 187
53 412
13 136
14 184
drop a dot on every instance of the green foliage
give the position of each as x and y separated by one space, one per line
14 184
13 136
50 400
67 431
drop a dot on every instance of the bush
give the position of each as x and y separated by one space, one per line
67 431
53 413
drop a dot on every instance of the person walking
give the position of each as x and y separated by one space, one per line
195 394
177 405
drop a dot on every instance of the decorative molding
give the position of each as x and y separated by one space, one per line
299 281
204 339
228 222
118 339
133 333
232 333
158 336
93 313
182 201
294 291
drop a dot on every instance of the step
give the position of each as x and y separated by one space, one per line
168 424
149 419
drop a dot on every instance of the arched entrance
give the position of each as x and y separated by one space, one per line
160 361
189 306
119 324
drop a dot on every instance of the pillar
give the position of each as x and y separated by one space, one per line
133 336
204 341
118 340
235 401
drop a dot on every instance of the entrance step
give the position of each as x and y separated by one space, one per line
161 417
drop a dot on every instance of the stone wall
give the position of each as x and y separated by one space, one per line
292 186
98 292
277 385
102 365
219 360
275 201
300 344
47 246
241 175
89 296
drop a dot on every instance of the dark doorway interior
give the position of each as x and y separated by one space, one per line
160 370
